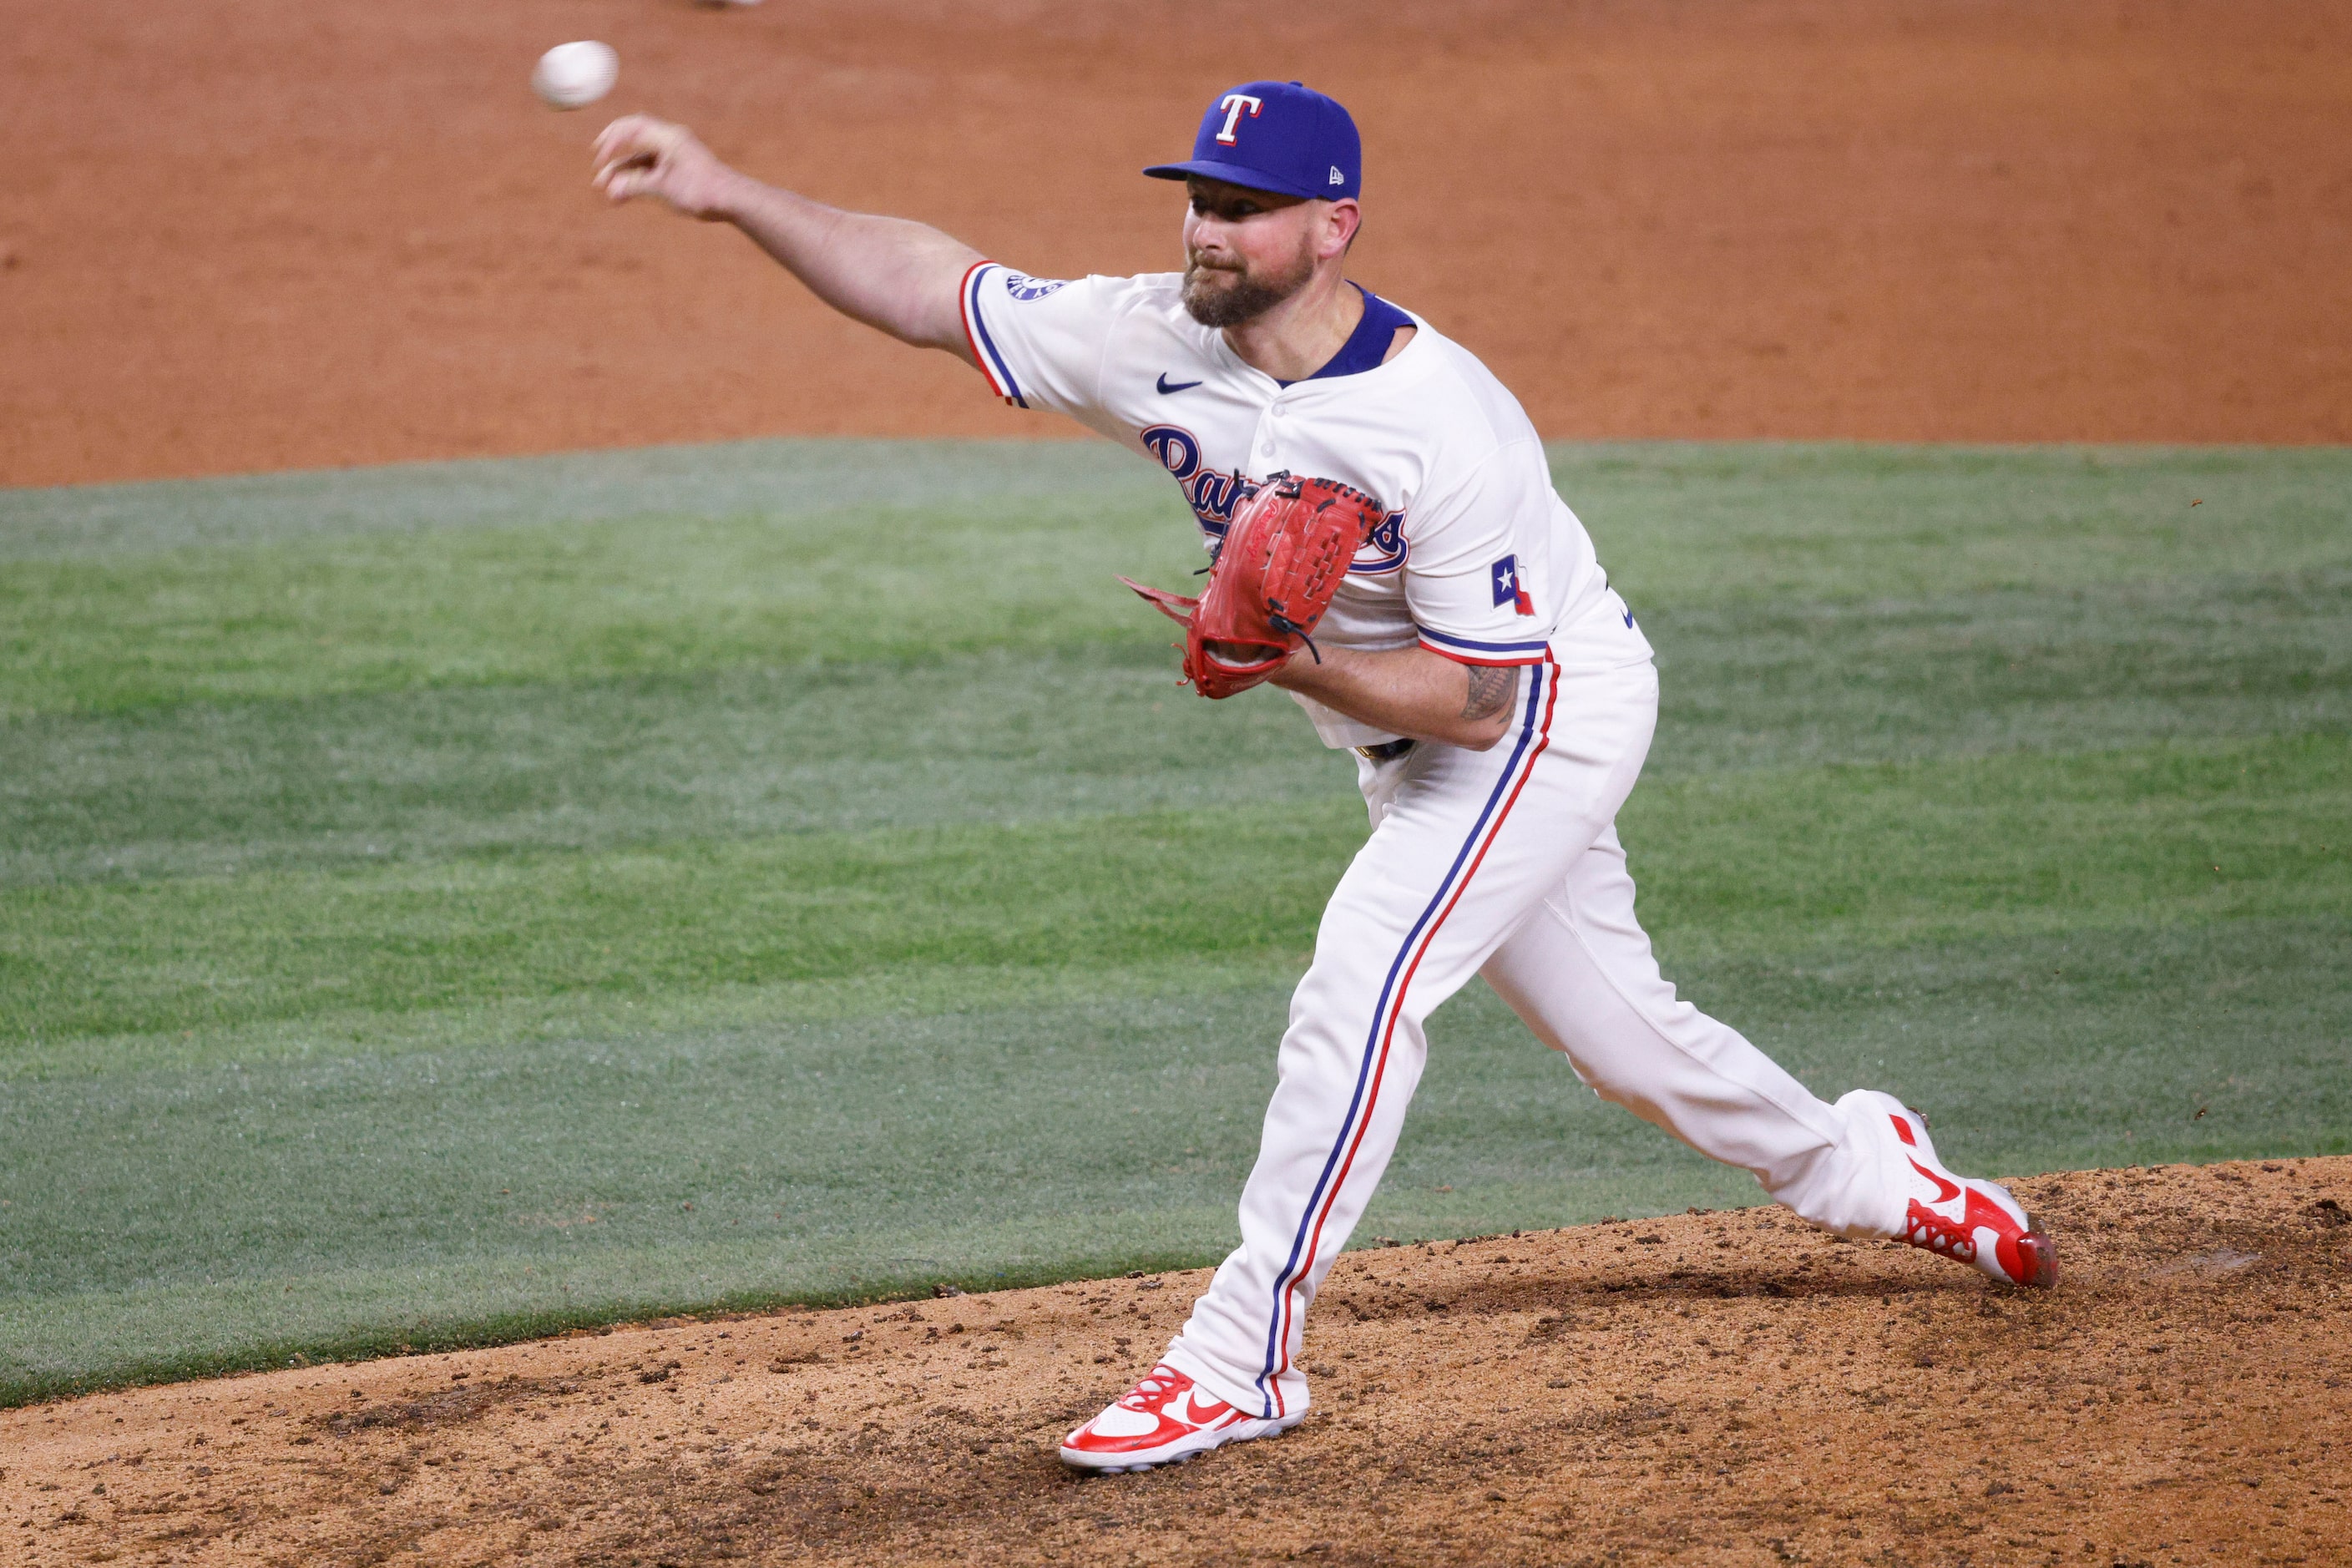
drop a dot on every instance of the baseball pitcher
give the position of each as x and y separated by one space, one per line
1387 549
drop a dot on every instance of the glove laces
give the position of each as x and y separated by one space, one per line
1289 628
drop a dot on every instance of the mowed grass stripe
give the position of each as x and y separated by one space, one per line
819 1129
780 479
1010 736
1689 522
574 600
902 991
522 591
200 952
1001 737
1770 684
1712 523
1023 736
1871 853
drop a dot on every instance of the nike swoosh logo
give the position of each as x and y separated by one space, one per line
1945 1191
1167 386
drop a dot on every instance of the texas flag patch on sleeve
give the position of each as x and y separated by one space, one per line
1508 589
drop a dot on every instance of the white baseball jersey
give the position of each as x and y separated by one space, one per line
1502 862
1478 558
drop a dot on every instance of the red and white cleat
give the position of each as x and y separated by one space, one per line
1964 1219
1163 1420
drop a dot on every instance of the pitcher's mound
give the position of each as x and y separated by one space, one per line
1717 1387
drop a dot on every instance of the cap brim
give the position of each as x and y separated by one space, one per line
1233 174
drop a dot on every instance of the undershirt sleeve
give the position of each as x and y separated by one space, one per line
1040 341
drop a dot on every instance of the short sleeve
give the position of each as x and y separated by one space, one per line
1039 341
1466 581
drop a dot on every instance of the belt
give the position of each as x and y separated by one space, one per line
1386 752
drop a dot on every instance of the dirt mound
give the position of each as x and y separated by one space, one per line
263 234
1717 1387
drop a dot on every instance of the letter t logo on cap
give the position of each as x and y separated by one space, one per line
1300 143
1235 102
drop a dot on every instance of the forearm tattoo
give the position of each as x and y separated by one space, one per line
1491 691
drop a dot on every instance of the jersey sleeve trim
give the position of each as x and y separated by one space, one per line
983 347
1492 654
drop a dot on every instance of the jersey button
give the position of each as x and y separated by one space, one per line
1277 411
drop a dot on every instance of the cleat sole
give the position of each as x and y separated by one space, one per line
1084 1465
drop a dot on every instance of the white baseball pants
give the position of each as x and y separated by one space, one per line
1502 863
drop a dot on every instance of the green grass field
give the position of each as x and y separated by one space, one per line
450 902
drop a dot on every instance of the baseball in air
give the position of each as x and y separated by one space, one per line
572 75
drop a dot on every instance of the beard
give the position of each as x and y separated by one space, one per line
1228 296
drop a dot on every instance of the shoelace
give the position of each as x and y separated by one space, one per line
1150 1394
1939 1235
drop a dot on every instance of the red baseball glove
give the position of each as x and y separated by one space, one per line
1283 555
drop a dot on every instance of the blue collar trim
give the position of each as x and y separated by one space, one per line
1367 345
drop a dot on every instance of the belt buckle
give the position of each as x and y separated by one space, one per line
1385 751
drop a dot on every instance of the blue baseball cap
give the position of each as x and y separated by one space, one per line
1275 136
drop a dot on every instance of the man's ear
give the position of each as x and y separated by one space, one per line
1340 221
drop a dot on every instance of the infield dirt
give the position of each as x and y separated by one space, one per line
1714 1387
248 235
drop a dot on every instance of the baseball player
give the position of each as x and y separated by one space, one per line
1498 695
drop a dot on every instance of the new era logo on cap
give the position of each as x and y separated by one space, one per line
1275 136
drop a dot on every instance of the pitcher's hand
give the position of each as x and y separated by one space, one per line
638 155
